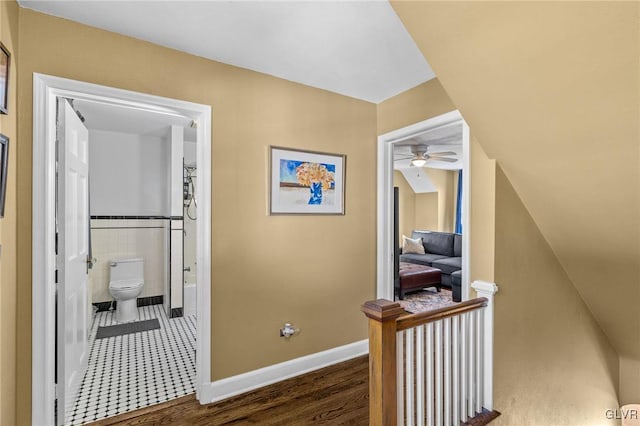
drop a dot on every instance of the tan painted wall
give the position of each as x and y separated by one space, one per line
417 211
8 127
426 211
413 106
483 220
407 207
629 381
443 181
564 126
261 265
553 363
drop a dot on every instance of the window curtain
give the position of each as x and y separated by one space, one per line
458 229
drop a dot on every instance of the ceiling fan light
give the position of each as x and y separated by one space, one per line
418 162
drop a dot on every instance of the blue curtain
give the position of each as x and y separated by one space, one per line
458 229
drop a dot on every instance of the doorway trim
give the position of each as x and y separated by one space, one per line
385 198
45 91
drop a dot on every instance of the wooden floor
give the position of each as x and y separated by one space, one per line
336 395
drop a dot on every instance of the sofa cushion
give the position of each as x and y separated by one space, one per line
421 259
457 245
436 242
448 265
409 245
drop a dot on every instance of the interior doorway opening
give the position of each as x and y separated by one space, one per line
182 118
413 146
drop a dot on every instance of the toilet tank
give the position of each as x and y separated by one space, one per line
127 269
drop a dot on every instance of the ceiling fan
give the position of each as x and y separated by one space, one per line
420 156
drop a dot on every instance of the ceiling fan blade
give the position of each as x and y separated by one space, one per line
431 154
448 160
402 158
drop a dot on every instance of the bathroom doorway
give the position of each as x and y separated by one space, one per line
139 346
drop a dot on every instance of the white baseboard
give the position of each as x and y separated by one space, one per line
231 386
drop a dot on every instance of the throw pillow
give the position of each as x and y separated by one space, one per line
410 245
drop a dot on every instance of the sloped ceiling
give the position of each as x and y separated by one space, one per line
551 91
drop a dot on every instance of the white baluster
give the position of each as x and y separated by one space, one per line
400 376
409 366
479 357
472 363
464 355
447 372
430 376
420 375
438 372
488 290
455 374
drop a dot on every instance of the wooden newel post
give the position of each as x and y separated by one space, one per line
382 316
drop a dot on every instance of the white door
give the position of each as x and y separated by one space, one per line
73 242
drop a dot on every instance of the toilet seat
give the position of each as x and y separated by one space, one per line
125 284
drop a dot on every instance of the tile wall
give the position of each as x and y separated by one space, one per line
112 239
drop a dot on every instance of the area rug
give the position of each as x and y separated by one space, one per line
426 300
128 328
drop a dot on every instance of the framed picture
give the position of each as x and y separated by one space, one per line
5 56
306 182
4 162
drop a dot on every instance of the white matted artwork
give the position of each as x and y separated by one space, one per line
306 182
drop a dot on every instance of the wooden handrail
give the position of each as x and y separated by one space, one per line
407 321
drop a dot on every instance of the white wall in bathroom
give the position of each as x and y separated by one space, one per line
129 174
112 239
189 152
176 167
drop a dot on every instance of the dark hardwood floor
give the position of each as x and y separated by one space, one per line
336 395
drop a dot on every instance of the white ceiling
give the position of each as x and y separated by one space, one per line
418 180
114 118
355 48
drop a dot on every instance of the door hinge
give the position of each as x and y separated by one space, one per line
56 277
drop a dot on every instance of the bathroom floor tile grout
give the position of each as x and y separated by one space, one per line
136 370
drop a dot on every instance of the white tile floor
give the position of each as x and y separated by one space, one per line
136 370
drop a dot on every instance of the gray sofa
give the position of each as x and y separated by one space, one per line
443 250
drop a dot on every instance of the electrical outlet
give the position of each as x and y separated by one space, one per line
288 330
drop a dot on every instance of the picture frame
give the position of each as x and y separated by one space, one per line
306 182
4 164
5 61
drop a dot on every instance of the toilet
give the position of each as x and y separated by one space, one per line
125 285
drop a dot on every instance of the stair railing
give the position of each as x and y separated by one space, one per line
431 368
